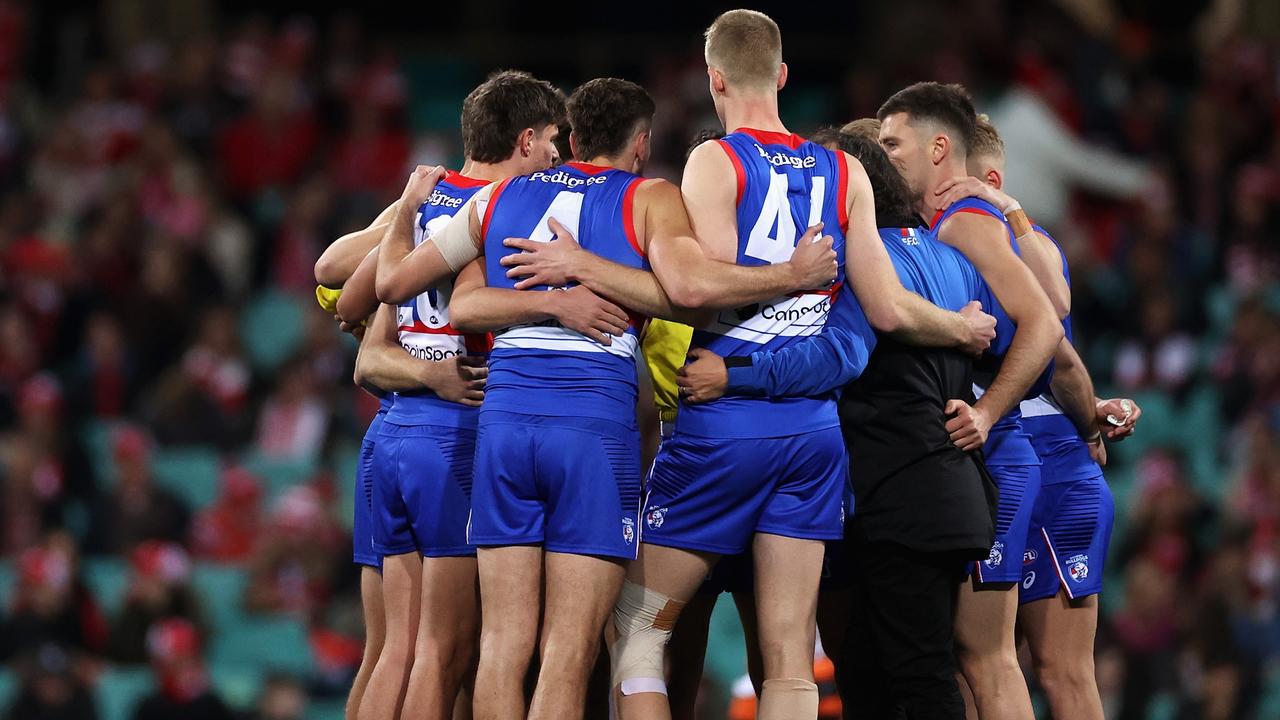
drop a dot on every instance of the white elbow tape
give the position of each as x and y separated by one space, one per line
643 620
454 241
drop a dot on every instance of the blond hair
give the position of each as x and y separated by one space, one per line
986 140
868 128
746 46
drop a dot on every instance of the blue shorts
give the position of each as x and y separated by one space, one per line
362 524
570 484
422 489
714 495
1068 542
1019 485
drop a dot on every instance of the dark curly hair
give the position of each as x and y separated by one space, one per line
605 113
894 207
502 107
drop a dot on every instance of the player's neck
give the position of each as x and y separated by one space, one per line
944 171
605 161
753 111
493 172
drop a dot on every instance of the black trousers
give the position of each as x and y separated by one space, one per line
898 659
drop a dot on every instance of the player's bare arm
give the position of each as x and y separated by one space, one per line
984 241
476 307
383 363
339 260
1073 389
403 271
359 297
889 306
1038 251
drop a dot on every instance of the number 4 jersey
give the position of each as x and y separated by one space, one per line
785 185
423 322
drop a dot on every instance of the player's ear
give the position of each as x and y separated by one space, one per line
939 148
782 75
573 146
717 79
993 178
525 142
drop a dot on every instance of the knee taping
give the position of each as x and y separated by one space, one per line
788 699
643 620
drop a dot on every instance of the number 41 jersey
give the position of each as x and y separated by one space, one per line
785 185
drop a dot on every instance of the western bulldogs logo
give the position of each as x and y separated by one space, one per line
1029 556
655 518
628 530
1078 567
996 558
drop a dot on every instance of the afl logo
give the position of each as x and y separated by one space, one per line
1029 556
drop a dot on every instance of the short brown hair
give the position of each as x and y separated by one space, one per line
947 105
503 106
605 113
868 128
746 46
986 140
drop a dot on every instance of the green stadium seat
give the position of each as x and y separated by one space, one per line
265 644
193 473
121 689
326 709
108 580
272 329
97 436
8 687
220 589
280 474
726 649
8 583
239 686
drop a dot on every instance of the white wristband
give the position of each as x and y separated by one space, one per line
1013 207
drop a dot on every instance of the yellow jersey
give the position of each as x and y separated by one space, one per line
665 346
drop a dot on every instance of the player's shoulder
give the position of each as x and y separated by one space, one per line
973 206
656 190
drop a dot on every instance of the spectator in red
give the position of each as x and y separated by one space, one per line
46 470
294 569
51 605
228 530
294 419
268 148
203 400
159 589
103 378
138 510
185 692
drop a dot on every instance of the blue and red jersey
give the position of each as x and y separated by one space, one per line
545 368
785 184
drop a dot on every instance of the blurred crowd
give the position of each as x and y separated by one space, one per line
168 179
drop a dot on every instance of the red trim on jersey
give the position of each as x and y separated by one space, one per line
588 168
768 137
842 189
493 203
972 211
738 170
459 180
906 232
418 327
478 342
832 292
628 219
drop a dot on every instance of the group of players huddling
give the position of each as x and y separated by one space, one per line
871 412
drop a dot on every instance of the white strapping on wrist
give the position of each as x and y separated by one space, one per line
1014 207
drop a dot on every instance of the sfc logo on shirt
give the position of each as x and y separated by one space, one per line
628 530
1078 567
996 557
655 517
